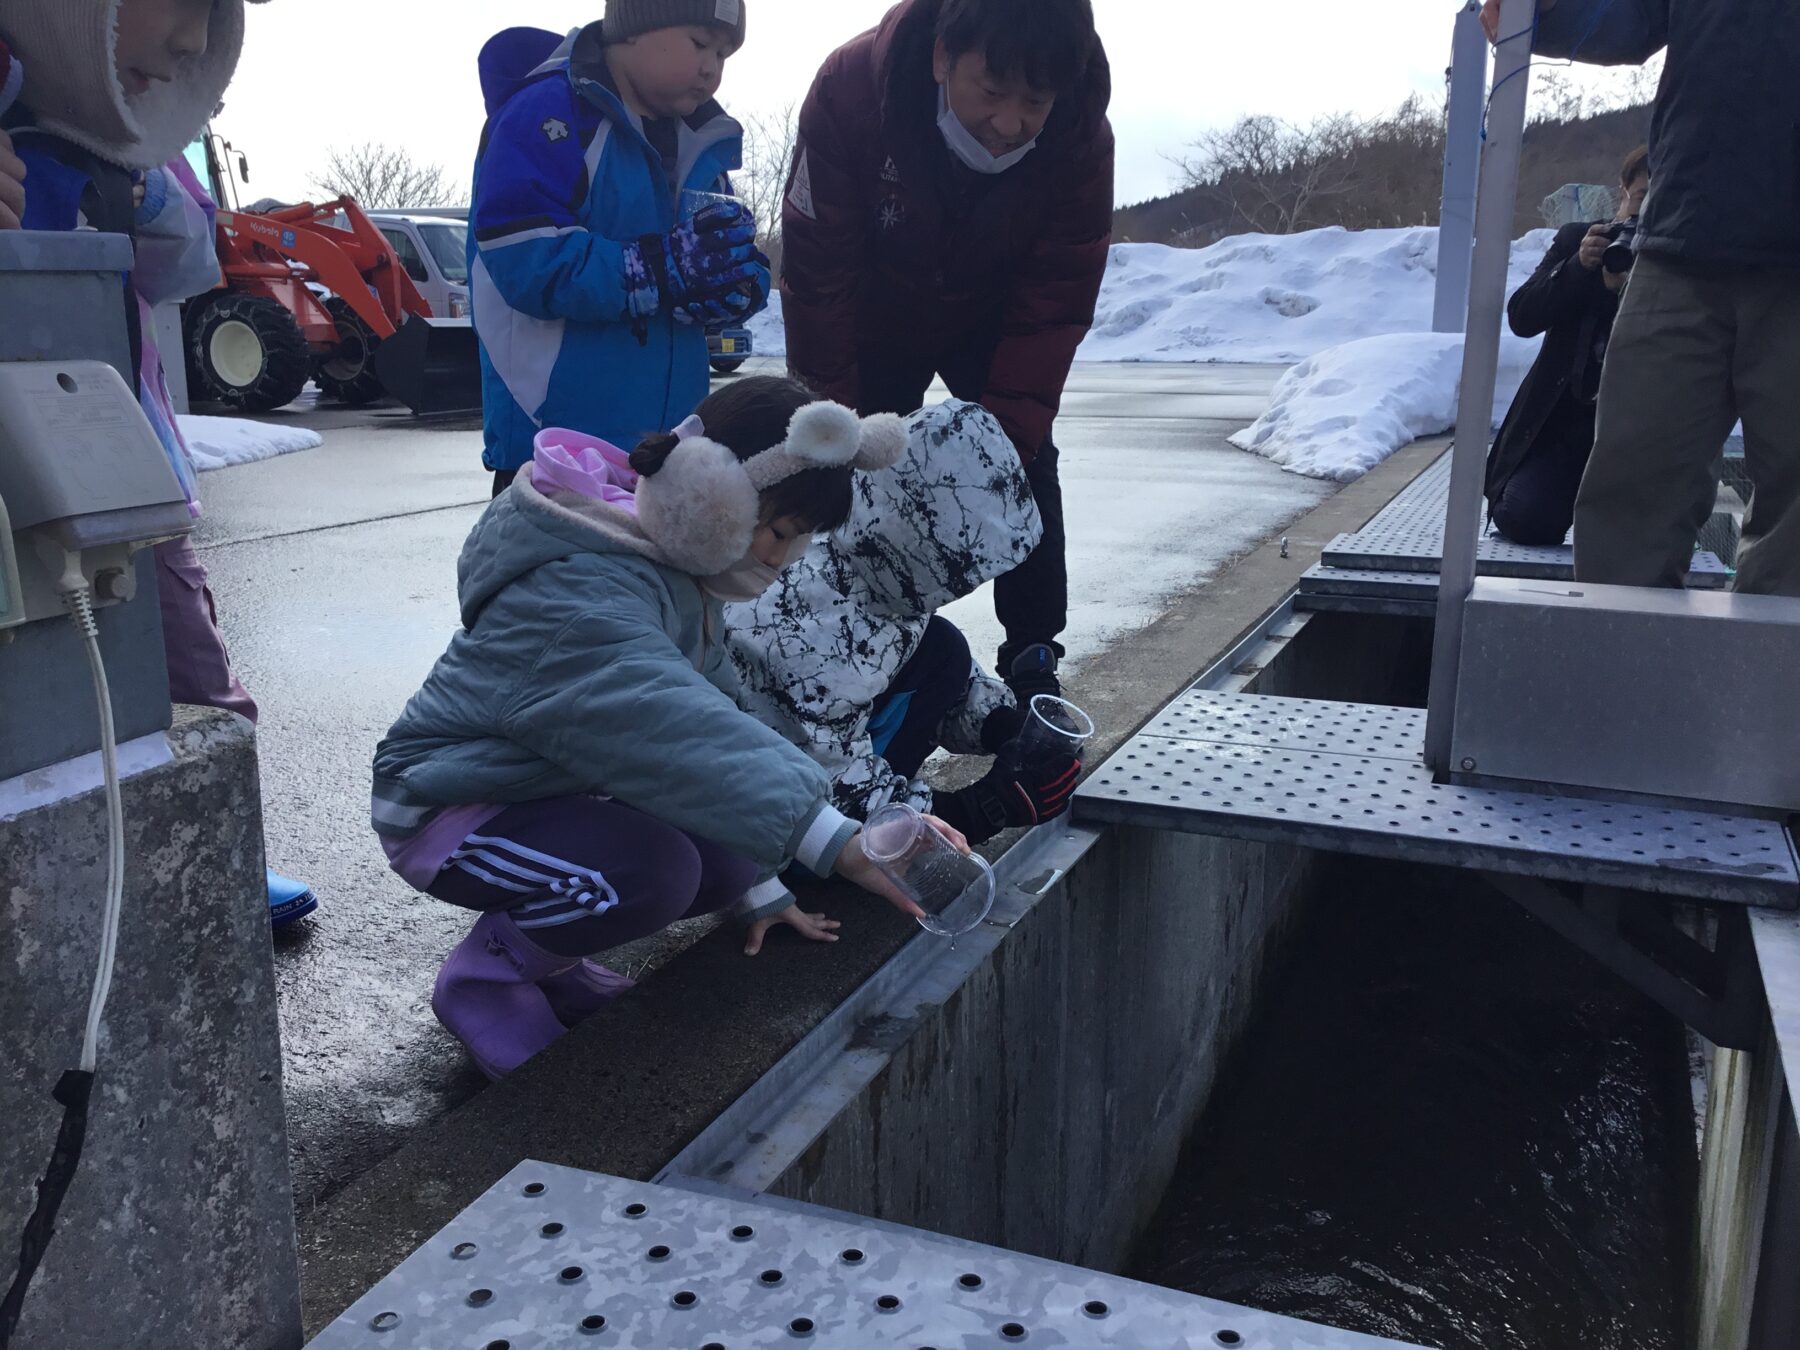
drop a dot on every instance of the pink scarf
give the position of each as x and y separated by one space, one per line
569 461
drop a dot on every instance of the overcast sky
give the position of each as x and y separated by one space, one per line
322 73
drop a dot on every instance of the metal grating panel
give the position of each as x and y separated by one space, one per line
1312 725
555 1257
1362 590
1262 785
1408 535
1326 580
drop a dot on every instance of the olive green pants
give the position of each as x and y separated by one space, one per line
1693 351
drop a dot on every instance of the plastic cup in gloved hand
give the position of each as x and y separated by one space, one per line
1055 732
693 203
955 889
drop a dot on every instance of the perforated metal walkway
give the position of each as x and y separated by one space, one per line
1368 590
1405 540
1351 778
555 1257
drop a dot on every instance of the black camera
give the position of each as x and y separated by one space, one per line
1620 254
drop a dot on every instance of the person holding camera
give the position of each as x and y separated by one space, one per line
1535 467
1708 331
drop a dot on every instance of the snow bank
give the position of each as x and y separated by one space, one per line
1340 413
1254 297
218 442
1353 307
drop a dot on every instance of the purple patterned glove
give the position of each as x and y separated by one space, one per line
736 305
702 258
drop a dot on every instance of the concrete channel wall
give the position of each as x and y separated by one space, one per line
1043 1104
179 1227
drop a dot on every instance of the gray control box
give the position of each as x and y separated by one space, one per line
1691 695
75 469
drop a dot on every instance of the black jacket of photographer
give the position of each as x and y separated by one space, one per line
1725 135
1572 307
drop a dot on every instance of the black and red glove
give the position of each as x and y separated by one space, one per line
1009 798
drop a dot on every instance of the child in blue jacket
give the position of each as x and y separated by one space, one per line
591 285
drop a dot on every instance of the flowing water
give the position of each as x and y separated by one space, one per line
1449 1128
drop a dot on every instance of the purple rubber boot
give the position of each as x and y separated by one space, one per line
487 995
583 990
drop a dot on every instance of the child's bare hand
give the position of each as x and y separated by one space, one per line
12 186
854 865
951 833
813 927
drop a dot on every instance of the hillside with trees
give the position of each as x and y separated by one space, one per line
1266 175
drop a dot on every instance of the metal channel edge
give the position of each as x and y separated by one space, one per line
764 1132
1776 937
756 1139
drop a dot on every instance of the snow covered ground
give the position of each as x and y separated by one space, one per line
1298 297
219 442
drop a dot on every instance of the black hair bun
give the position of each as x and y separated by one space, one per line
652 453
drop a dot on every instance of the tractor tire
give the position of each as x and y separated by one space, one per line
348 374
728 365
247 351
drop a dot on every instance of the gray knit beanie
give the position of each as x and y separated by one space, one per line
627 18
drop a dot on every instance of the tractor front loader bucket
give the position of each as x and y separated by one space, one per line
432 366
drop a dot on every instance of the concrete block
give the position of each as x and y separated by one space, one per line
179 1229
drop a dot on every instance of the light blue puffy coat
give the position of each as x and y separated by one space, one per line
587 665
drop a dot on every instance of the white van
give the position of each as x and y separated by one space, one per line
433 248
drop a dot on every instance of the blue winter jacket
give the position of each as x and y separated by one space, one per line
564 180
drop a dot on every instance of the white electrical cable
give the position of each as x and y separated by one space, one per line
81 610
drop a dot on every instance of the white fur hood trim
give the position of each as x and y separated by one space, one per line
69 51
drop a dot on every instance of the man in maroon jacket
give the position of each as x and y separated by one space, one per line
948 213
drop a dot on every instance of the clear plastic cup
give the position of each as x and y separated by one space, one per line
955 889
1055 731
692 203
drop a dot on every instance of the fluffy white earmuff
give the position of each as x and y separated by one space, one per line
700 508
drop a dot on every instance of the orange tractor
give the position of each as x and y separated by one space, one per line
311 293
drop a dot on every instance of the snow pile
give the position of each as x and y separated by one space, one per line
1271 297
219 442
1254 297
1353 307
1340 413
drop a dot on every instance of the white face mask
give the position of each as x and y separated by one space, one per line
747 579
742 582
967 148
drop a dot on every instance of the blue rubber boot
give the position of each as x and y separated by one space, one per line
289 900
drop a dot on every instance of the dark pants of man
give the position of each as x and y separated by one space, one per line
1695 349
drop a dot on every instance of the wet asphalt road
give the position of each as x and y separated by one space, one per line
334 571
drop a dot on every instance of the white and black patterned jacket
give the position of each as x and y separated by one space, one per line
822 644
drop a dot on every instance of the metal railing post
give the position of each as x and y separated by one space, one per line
1494 212
1462 166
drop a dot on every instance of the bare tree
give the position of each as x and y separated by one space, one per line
769 140
1555 97
1274 176
384 178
